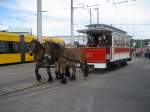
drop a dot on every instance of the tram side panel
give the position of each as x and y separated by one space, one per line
119 54
103 57
121 50
96 57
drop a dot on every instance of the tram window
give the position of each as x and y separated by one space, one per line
124 41
116 40
9 47
108 40
118 43
121 41
13 47
3 47
127 42
115 43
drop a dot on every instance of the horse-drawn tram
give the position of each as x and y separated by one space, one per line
106 46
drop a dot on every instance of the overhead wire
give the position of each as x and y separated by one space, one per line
78 12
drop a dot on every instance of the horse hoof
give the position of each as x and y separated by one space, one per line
86 75
63 82
58 77
68 75
73 78
50 80
39 78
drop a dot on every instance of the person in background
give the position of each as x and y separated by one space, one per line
134 53
145 52
148 52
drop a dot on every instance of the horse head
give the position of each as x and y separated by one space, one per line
52 47
36 48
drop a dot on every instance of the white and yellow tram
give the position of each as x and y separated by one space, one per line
106 46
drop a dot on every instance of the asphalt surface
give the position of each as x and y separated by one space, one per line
125 89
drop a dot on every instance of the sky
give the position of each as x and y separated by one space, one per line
133 16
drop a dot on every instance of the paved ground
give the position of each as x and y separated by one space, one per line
123 90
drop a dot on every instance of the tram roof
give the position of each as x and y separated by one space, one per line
95 28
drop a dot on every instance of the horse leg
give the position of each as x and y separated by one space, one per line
84 68
73 77
38 76
50 79
64 80
68 72
57 72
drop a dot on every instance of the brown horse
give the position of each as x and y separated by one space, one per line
41 61
66 58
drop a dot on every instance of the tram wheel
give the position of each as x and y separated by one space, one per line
124 63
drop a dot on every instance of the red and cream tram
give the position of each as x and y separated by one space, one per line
106 46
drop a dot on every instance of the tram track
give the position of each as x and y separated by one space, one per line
33 86
6 90
32 90
37 87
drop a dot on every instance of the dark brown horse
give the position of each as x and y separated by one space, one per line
41 61
66 58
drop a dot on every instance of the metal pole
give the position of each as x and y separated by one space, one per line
97 15
88 6
39 20
141 44
72 28
90 16
133 30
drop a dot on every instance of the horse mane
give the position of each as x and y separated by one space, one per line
56 45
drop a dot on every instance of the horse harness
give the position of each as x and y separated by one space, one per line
61 55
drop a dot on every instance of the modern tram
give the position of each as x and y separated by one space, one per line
106 46
14 48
